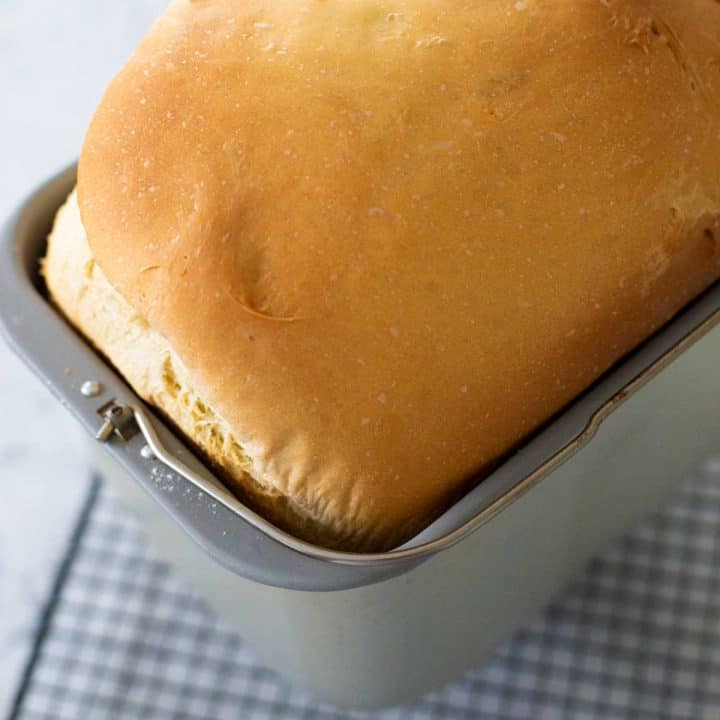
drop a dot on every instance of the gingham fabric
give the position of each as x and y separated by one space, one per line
637 636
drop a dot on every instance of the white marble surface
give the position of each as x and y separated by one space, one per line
55 59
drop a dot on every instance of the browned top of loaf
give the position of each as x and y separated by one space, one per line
389 239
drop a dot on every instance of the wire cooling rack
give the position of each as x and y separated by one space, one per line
636 636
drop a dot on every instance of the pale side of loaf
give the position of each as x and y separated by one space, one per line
77 285
387 241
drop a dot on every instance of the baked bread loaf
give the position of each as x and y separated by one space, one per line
358 251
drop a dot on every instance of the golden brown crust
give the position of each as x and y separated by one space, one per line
389 241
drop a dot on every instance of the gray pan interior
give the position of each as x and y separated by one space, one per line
63 361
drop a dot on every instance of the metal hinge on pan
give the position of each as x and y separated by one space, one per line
118 420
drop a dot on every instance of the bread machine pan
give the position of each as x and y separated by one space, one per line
435 606
232 532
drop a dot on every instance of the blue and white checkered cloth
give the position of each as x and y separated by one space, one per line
637 636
